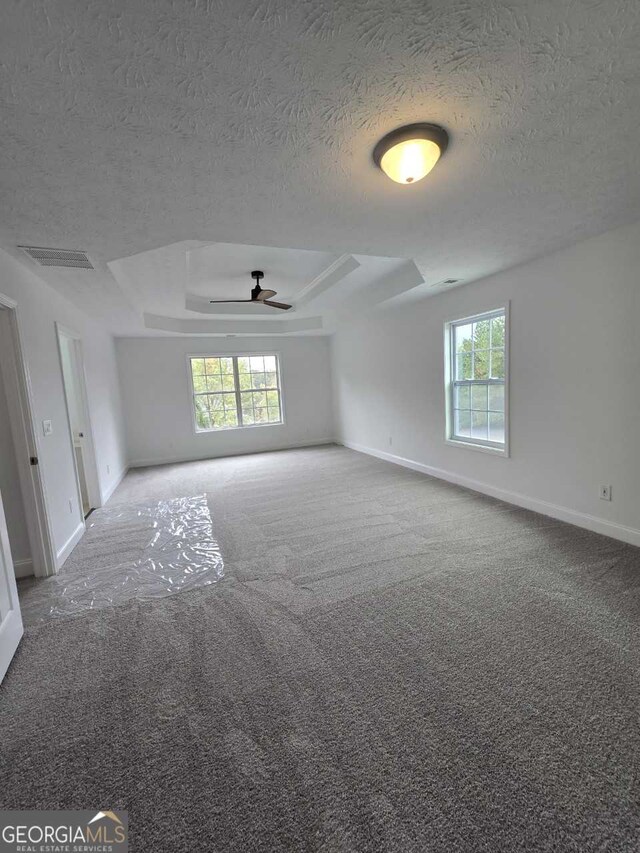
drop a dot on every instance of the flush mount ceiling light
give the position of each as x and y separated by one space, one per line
409 153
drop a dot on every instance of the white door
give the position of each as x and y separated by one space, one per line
78 449
10 619
75 397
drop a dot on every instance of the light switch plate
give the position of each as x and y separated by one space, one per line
47 427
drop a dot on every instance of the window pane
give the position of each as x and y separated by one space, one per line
496 427
274 415
229 401
203 419
202 413
228 382
463 338
270 363
479 424
497 331
214 402
462 423
496 398
197 366
259 399
481 364
226 365
247 409
481 334
273 398
230 419
258 380
271 380
214 383
245 381
463 370
199 384
212 365
243 364
479 397
462 397
497 364
257 363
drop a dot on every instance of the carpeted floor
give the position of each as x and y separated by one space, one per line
390 663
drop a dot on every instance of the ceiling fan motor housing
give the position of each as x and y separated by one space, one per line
256 275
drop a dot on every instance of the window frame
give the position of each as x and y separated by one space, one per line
235 355
494 448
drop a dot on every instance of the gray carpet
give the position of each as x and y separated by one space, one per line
391 663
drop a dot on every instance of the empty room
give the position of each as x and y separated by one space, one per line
319 426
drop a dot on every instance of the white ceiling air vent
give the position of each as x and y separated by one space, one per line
70 258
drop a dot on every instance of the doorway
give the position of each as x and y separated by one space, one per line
25 493
75 392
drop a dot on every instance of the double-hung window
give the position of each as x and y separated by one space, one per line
476 370
231 391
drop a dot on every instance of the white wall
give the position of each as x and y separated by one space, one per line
575 384
157 401
39 308
11 493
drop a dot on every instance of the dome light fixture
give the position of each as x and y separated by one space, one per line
409 153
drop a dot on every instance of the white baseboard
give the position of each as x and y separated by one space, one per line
631 535
111 489
23 568
70 544
172 460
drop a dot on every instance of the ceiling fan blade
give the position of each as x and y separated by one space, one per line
265 294
257 295
282 305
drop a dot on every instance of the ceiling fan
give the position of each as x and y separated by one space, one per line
257 294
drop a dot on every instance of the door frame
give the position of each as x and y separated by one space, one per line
89 453
25 438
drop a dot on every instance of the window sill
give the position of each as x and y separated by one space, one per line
483 448
237 428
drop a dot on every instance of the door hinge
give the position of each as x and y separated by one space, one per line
34 460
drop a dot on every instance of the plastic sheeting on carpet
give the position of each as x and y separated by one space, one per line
142 552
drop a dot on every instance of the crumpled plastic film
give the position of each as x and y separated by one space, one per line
140 552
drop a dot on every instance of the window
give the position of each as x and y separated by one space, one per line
235 391
476 364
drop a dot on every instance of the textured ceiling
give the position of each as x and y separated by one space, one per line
131 125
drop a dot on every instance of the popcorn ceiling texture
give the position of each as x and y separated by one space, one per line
128 126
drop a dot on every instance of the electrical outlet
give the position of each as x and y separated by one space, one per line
47 427
605 493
